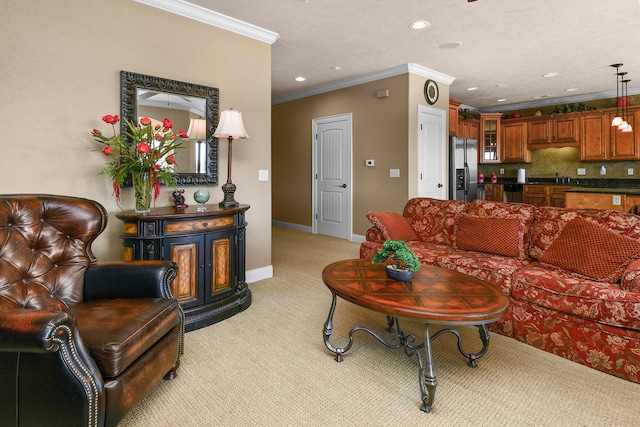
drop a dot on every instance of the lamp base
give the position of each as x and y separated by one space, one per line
229 189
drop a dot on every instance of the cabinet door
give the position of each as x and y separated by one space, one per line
595 131
535 195
565 130
539 132
188 254
557 195
626 145
494 192
489 141
514 143
220 276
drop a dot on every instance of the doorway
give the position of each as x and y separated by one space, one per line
332 192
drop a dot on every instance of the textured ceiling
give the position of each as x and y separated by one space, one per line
507 46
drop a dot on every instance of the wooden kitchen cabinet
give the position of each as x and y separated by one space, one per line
454 104
209 250
601 141
535 195
554 132
468 128
597 200
489 141
514 143
494 192
545 195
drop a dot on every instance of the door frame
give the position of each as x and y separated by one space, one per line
348 117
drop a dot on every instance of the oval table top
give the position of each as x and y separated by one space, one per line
434 295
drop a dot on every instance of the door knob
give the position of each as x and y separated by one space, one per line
343 186
439 185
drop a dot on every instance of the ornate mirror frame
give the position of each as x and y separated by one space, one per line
131 82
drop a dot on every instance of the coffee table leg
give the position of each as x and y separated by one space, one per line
428 381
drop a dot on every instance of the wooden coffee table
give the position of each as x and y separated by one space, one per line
435 296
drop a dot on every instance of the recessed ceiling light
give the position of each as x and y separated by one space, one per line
573 89
472 88
550 75
451 45
336 68
300 79
501 99
419 25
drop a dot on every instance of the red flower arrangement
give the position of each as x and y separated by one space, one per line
149 160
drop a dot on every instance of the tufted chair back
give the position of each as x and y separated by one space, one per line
45 249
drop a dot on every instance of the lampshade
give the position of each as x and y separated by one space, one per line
230 125
197 129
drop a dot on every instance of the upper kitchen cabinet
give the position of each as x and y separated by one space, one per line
489 140
554 132
454 104
600 141
458 124
514 143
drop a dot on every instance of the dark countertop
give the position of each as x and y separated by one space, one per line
634 191
631 186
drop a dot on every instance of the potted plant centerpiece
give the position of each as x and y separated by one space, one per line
405 261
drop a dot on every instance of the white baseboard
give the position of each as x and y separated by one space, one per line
358 238
258 274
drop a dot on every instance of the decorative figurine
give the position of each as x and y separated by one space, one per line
178 199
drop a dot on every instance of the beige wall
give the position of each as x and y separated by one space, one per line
383 130
60 73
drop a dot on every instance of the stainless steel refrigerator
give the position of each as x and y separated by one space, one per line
463 169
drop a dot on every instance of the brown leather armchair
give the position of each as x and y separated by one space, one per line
80 343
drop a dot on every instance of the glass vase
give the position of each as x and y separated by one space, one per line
142 187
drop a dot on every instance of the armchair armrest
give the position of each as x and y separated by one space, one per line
30 331
134 279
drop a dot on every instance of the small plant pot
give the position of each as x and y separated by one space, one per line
402 275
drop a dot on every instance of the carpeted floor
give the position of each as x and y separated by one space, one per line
268 366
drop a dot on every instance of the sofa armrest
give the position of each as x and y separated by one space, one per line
631 277
134 279
374 235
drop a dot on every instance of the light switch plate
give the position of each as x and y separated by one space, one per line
501 171
263 175
582 171
616 200
394 173
369 162
630 171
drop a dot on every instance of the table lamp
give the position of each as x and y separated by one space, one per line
230 127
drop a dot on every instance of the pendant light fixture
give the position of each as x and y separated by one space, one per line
617 120
627 126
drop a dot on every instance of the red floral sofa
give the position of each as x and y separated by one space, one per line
572 276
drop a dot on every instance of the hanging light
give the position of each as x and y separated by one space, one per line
627 127
617 120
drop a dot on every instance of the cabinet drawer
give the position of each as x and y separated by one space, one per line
197 225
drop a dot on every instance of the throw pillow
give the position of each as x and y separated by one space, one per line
392 225
591 251
501 236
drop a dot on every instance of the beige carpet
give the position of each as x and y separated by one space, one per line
268 366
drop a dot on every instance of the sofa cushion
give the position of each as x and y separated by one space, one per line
495 269
119 331
566 292
502 236
392 225
592 251
433 219
549 222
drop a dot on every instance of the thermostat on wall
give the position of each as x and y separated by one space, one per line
369 162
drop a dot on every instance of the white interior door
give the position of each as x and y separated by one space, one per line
332 176
432 142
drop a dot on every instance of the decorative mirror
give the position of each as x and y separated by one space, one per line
185 104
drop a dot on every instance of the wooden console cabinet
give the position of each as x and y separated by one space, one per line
209 249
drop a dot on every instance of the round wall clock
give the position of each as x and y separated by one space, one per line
431 91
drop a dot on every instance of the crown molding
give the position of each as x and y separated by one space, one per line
215 19
367 78
548 102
